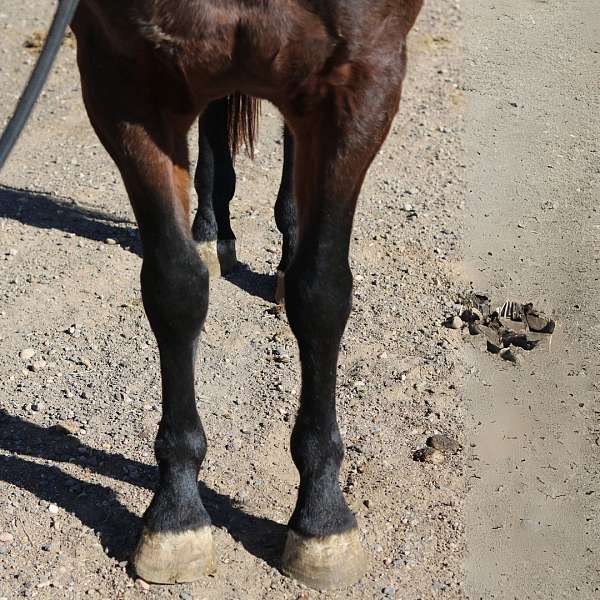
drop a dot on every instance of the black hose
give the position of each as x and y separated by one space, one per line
62 18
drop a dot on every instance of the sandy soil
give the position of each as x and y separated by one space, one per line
532 224
70 506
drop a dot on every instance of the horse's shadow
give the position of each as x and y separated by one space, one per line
49 212
97 506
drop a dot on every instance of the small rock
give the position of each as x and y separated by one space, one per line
455 323
86 362
53 509
27 354
241 497
142 584
304 596
429 455
112 242
389 592
66 427
38 365
185 596
38 406
443 443
470 315
6 537
510 354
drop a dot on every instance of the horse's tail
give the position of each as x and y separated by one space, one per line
242 122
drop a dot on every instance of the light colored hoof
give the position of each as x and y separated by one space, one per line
174 557
209 256
336 561
227 255
280 288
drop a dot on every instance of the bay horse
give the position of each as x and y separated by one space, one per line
334 69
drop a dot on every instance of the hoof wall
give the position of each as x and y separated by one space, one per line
174 557
208 254
334 562
226 255
280 288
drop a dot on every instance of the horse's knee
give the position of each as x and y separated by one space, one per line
175 292
318 300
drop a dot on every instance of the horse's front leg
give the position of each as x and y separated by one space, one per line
150 148
334 150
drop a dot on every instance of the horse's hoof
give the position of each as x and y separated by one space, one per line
336 561
167 557
227 255
208 254
280 288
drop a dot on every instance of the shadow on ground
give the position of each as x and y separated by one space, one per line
44 211
49 212
117 527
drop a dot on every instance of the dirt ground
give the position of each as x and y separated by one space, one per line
532 225
70 505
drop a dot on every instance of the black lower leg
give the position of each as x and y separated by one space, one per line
175 294
318 290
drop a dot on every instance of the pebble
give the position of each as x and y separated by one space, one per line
389 591
85 362
38 406
38 365
112 242
53 509
27 354
185 596
510 355
142 584
429 455
6 537
66 427
456 323
241 497
443 443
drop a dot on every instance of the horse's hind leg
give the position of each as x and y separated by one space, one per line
215 185
149 147
285 214
334 150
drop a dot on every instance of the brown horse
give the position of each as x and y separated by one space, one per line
334 68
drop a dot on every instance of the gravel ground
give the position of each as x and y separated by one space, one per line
70 504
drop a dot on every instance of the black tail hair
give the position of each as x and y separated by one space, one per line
242 122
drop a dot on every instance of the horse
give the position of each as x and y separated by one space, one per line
334 69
